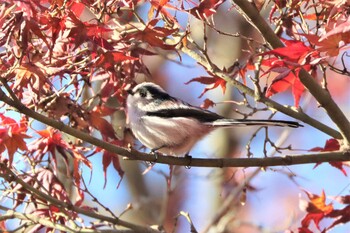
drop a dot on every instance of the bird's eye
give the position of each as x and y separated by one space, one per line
143 93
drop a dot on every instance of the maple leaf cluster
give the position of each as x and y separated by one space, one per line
317 210
46 182
305 46
287 62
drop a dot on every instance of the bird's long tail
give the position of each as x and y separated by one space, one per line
244 122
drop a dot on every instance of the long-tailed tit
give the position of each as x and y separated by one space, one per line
168 125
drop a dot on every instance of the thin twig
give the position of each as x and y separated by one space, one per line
189 220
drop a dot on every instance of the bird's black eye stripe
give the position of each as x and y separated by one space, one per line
158 94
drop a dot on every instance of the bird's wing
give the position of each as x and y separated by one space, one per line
186 111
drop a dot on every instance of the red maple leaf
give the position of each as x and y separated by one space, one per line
331 145
12 135
207 104
51 141
159 6
206 8
318 210
98 122
286 79
294 51
110 158
213 83
153 35
46 181
110 58
342 216
78 8
107 159
53 24
3 227
287 62
80 32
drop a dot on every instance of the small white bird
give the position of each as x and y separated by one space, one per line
168 125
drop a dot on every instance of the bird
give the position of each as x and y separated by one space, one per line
171 126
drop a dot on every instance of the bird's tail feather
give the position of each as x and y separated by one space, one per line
243 122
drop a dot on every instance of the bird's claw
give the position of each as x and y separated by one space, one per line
155 153
189 157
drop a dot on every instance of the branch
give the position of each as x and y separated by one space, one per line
35 219
8 174
321 95
189 220
181 161
286 160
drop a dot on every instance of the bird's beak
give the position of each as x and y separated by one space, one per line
129 92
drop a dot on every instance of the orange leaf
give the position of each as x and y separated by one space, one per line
330 45
29 75
3 227
317 209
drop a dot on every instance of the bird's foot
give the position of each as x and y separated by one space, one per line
155 152
189 157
